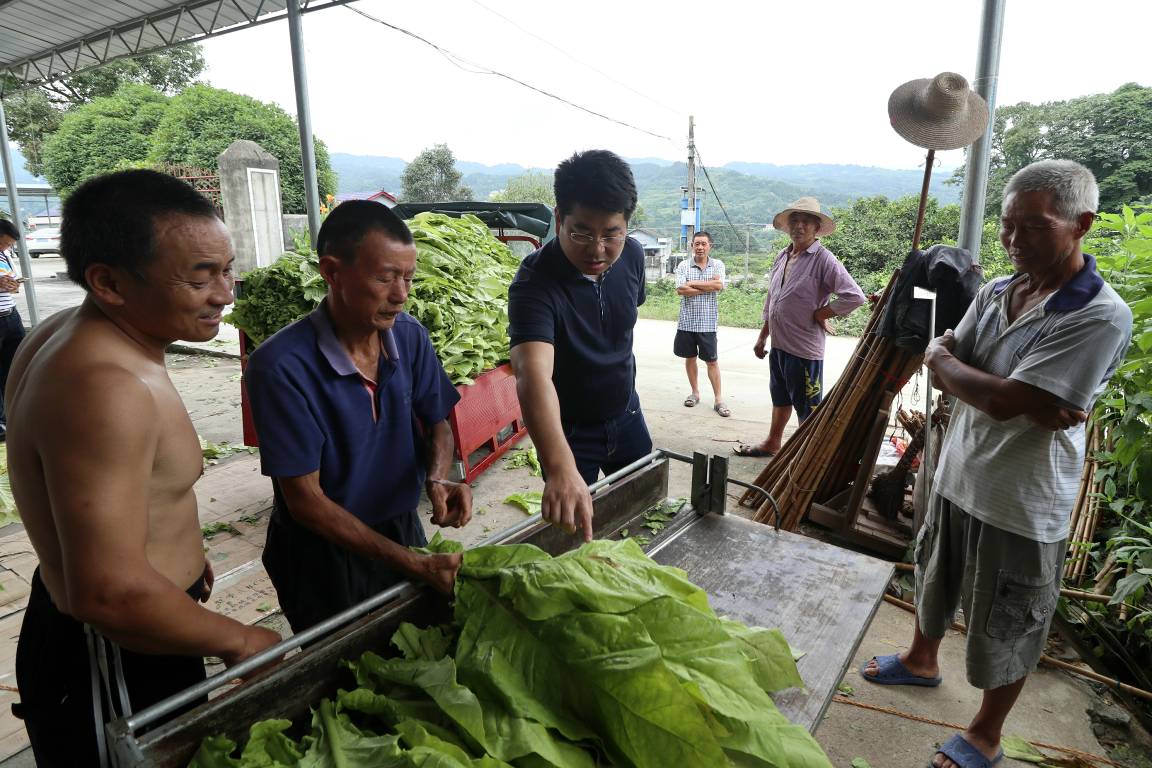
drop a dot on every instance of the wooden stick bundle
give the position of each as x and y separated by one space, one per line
822 457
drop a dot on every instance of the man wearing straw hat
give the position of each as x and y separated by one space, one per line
1025 364
804 278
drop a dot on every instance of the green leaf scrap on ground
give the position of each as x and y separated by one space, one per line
845 689
1016 748
528 501
213 452
598 656
859 762
524 457
208 531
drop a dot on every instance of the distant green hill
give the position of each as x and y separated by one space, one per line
750 192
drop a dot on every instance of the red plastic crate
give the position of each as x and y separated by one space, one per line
486 418
246 409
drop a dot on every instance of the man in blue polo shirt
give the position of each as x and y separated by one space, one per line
350 405
571 311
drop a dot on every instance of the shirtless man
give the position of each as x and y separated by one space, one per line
103 457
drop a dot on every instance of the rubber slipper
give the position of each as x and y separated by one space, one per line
752 451
960 751
890 671
691 400
722 409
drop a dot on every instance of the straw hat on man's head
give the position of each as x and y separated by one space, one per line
941 113
809 205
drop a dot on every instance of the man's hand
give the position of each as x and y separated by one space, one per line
687 290
209 581
759 349
568 504
255 639
440 571
9 284
451 502
1060 418
939 348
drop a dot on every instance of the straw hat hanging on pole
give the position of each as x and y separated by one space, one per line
938 113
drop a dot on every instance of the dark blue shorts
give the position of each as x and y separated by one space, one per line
609 445
795 381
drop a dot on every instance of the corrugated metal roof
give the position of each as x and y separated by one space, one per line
42 40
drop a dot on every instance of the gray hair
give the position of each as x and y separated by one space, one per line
1071 185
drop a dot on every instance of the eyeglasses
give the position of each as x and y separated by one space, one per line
586 239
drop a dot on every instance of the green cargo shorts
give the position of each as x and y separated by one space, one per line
1006 584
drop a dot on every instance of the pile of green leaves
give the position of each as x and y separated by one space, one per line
599 656
277 295
524 457
460 293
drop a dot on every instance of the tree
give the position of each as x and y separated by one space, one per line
874 234
35 114
432 177
109 133
200 122
530 187
1110 133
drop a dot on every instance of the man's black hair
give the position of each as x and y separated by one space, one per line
111 219
8 229
704 233
349 222
596 179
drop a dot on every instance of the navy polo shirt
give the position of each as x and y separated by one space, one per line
313 412
588 322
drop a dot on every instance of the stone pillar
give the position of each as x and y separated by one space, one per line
250 195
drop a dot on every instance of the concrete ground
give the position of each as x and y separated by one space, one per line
1054 705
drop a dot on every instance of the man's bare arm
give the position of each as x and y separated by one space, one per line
99 497
311 507
566 499
1000 398
451 502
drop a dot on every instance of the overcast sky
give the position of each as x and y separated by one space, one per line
767 81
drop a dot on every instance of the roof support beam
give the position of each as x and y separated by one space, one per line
17 218
304 120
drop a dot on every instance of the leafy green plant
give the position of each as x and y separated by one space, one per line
1121 556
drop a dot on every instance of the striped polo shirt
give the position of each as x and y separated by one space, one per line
1014 474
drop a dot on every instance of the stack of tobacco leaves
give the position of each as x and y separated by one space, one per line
596 657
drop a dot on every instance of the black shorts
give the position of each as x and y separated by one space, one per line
316 579
795 381
700 344
55 683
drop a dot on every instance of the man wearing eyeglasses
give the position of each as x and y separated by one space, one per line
571 313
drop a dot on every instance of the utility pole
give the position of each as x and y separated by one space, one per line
688 201
692 175
747 247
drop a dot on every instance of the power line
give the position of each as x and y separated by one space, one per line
480 69
582 63
714 194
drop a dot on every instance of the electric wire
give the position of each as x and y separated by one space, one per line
711 186
574 58
480 69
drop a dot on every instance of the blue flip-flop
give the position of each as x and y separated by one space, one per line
892 672
958 750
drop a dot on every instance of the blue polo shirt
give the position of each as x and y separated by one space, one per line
313 412
588 322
